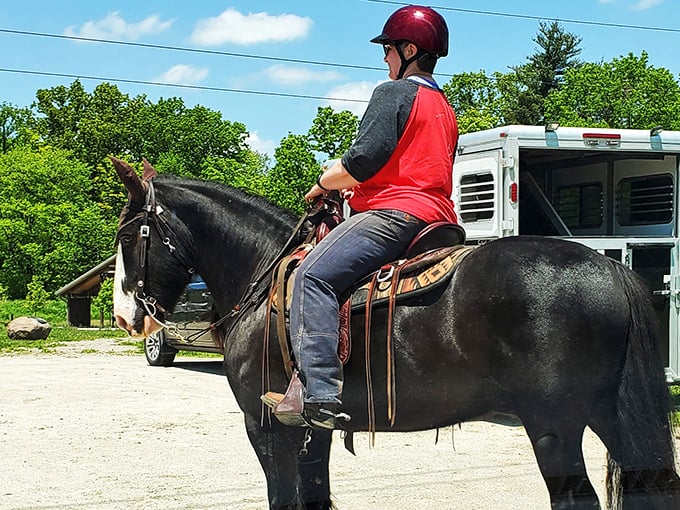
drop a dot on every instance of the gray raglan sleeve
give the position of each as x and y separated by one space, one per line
380 128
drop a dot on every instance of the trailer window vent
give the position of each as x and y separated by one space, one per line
645 200
477 197
581 205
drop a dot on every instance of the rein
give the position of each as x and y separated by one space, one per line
251 297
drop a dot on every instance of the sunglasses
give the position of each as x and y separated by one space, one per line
387 48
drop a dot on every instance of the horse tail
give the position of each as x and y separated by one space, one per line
643 404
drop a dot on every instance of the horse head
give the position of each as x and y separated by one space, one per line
154 255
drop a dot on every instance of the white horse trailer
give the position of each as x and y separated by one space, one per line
614 190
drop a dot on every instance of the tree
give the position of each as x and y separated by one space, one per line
249 175
476 100
92 126
624 93
179 139
37 295
103 301
526 88
294 173
332 132
16 127
49 226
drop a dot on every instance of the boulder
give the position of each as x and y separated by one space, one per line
28 328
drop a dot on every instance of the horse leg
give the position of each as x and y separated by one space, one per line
313 469
557 447
278 450
629 488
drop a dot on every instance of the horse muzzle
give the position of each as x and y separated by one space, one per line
139 328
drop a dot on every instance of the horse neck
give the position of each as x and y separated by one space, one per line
235 234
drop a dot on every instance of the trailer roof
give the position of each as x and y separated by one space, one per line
573 137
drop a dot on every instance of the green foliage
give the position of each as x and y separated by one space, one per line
624 93
249 175
49 227
103 301
476 100
91 126
37 296
332 132
53 311
483 102
525 89
16 127
180 140
295 172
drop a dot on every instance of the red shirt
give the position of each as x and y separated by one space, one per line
417 177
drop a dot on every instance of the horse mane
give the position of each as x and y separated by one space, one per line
225 194
240 230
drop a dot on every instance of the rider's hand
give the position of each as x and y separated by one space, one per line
313 193
347 193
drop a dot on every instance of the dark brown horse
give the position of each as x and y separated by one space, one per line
543 329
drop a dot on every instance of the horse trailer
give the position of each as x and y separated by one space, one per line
614 190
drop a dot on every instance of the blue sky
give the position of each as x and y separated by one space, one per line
489 35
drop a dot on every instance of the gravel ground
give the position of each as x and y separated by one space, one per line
102 430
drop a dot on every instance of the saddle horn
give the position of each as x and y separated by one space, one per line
131 180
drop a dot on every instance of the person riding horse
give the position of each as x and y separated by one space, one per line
397 177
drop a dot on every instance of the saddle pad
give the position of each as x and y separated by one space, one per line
418 275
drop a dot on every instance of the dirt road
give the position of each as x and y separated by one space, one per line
100 431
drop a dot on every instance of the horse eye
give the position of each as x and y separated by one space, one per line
125 239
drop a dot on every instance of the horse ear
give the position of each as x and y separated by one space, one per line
149 171
130 179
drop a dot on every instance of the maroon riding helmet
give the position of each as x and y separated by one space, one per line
422 26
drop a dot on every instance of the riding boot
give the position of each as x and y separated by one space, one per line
324 415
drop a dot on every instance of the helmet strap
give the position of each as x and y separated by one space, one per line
405 62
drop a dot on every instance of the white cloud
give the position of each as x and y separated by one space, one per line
234 27
115 27
259 145
357 90
643 5
183 74
296 75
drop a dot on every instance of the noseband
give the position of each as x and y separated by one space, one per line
152 214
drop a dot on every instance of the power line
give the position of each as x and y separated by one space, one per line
188 50
192 87
537 18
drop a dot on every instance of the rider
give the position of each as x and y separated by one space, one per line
397 179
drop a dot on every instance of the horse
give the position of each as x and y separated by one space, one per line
542 329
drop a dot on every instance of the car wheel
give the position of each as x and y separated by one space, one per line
157 353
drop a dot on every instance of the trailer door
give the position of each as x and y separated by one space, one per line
477 193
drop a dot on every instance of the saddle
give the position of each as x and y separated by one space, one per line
429 262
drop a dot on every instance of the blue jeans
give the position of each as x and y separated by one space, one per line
355 248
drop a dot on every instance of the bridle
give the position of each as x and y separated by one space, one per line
152 215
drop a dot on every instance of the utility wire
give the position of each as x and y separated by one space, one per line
279 59
193 87
538 18
189 50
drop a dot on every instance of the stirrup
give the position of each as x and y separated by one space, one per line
288 408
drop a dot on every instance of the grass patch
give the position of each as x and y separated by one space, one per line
54 312
58 336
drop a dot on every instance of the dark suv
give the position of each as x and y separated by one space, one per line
192 315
